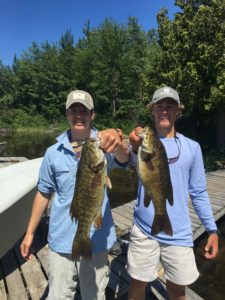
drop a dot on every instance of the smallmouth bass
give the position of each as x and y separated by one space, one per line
86 206
153 170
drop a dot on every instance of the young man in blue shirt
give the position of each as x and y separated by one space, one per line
188 179
57 175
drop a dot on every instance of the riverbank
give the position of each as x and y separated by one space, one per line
32 142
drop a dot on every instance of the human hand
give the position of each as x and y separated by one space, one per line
110 140
212 248
25 247
134 139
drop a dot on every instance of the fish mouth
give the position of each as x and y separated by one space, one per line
95 141
141 135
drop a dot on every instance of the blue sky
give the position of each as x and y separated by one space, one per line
25 21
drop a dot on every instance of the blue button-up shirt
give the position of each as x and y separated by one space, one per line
58 175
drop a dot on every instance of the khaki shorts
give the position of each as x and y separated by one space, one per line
65 274
145 255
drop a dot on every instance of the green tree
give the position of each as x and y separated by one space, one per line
193 62
7 91
109 43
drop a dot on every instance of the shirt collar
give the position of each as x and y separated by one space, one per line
64 138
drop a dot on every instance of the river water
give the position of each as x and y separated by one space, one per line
211 283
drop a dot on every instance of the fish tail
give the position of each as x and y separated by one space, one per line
161 223
170 196
81 247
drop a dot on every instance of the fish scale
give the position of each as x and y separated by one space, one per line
88 196
154 174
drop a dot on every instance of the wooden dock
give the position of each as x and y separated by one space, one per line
29 280
216 190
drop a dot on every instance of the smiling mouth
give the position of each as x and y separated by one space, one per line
79 122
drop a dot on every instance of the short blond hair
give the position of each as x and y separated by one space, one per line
179 106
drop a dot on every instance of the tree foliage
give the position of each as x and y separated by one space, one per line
121 65
193 60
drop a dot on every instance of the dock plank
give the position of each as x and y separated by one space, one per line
119 278
215 191
218 173
118 287
118 267
124 215
42 255
121 222
33 275
3 295
15 285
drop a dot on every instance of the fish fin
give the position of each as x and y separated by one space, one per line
97 180
75 215
81 247
98 220
149 165
74 211
108 182
145 156
161 223
147 200
170 197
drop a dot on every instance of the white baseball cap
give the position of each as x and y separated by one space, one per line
165 92
79 96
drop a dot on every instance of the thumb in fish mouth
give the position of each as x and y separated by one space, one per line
138 130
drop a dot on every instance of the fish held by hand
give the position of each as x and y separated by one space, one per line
86 206
153 170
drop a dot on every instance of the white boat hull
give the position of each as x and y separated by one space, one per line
18 185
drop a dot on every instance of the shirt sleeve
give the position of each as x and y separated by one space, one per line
133 156
198 191
46 181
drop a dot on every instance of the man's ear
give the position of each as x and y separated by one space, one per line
93 115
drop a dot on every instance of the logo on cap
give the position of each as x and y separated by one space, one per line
78 96
82 97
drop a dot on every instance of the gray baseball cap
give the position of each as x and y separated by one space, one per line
165 92
79 96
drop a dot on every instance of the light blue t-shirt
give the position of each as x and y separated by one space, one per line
188 179
57 175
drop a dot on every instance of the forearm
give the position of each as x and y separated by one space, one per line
40 204
198 192
122 152
202 206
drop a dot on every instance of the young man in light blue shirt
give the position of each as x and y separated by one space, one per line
188 179
57 175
